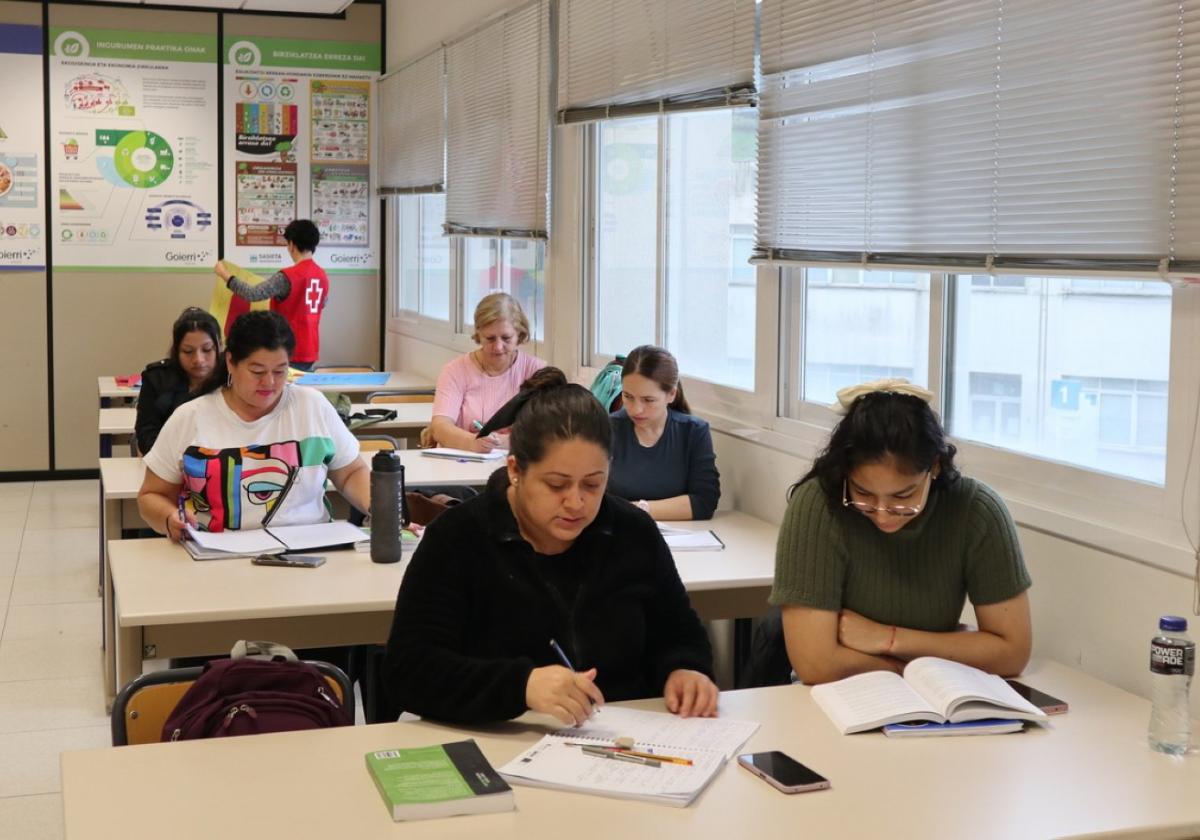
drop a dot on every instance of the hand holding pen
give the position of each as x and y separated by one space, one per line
486 443
178 522
571 696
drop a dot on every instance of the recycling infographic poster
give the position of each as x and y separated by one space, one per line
298 142
22 169
133 149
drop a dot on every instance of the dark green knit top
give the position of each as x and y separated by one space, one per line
962 545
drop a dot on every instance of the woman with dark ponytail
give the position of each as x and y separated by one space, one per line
663 458
884 542
544 554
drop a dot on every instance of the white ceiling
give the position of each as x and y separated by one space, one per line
301 7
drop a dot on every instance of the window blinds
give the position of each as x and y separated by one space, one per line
1017 132
624 57
498 117
413 129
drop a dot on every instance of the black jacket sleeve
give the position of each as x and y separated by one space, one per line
427 670
675 637
703 480
156 400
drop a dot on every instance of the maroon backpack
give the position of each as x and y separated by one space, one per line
251 696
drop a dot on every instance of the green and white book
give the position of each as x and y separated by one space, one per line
443 780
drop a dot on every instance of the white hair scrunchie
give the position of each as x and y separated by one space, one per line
846 396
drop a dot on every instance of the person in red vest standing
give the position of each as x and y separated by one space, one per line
298 292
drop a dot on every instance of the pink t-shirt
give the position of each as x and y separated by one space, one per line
466 394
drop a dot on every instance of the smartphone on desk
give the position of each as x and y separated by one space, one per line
1048 704
301 561
782 772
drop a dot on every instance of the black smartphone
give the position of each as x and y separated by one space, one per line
782 772
300 561
1049 705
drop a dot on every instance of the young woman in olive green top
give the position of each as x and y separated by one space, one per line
883 541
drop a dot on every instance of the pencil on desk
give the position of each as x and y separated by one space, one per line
619 755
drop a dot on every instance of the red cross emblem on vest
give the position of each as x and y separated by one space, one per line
312 296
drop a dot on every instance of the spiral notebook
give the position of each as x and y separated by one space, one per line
558 761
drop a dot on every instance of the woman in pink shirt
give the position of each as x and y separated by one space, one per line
472 388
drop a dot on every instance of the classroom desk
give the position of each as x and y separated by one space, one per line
116 427
117 424
398 381
168 605
1089 771
110 391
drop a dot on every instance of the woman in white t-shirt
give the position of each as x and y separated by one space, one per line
255 452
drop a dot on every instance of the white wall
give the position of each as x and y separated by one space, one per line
1092 610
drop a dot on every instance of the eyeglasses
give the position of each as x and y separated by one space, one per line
894 510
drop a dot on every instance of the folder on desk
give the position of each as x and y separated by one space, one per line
682 539
324 536
464 454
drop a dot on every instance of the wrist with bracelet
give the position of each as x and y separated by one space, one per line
892 640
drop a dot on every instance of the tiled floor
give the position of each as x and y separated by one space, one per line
51 693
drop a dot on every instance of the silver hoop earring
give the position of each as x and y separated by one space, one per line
229 380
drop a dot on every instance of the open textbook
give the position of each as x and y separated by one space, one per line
931 689
559 760
206 545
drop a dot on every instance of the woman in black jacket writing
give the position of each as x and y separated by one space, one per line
544 554
193 367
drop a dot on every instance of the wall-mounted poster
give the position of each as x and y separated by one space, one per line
298 140
22 170
134 149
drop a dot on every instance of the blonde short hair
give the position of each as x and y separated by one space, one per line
501 306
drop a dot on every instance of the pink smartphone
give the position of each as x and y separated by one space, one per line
782 772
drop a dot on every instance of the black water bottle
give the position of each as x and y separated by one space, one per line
387 506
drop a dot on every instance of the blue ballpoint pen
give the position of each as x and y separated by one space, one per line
562 657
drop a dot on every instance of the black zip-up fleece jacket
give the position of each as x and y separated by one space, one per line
474 617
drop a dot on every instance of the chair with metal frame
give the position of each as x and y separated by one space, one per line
374 443
144 704
385 397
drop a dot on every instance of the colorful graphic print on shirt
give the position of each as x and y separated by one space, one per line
245 487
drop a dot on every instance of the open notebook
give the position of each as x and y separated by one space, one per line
558 760
204 545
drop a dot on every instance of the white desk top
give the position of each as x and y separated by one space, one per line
117 421
109 388
121 420
158 583
397 381
1089 771
121 478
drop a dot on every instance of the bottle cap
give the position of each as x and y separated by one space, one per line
385 460
1173 623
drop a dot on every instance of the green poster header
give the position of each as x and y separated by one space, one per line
250 52
123 43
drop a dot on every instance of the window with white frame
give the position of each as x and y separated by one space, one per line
673 229
1075 370
856 326
422 258
516 266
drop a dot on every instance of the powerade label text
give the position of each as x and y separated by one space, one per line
1172 659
